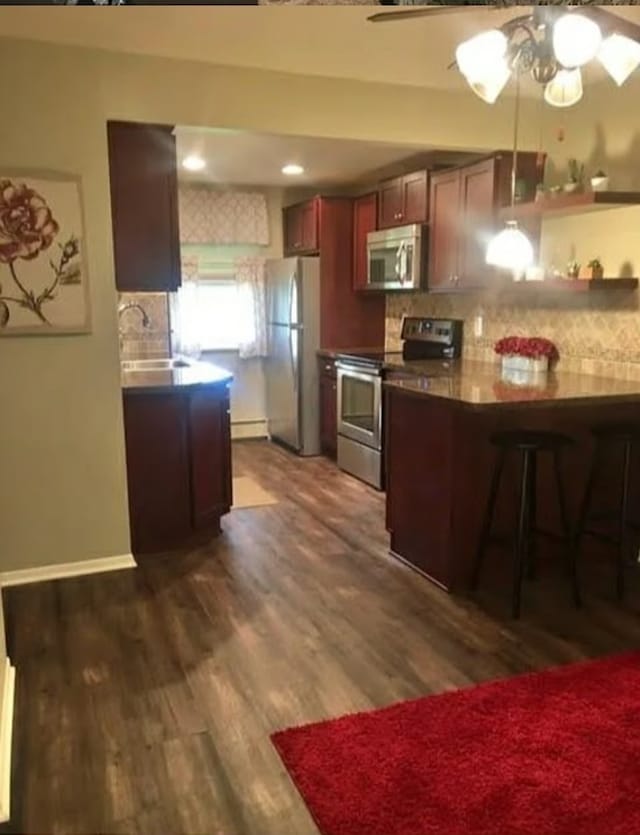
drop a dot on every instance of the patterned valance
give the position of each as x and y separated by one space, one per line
213 216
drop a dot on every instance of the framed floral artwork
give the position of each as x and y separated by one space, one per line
43 274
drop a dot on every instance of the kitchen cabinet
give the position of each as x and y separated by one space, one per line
328 407
365 218
464 213
178 446
403 200
301 228
144 206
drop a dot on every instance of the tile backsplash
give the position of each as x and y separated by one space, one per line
595 334
138 342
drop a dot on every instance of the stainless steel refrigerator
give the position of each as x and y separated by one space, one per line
293 338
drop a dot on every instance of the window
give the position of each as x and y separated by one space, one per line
218 317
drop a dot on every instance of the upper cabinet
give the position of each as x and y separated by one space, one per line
464 213
403 200
365 218
144 206
300 224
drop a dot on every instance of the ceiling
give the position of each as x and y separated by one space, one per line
334 41
242 157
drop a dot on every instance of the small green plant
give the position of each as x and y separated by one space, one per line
576 171
595 264
573 269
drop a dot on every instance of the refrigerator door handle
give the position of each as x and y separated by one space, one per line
293 356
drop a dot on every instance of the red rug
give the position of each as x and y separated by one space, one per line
550 753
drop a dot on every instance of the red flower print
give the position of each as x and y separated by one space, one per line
26 223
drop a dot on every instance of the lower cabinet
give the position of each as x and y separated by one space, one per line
178 446
328 408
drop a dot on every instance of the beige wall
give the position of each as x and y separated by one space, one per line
597 334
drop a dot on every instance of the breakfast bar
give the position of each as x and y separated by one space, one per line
439 458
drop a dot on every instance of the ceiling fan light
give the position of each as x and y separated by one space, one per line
482 53
565 89
576 40
620 56
510 249
490 85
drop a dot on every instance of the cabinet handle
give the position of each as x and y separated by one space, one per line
327 368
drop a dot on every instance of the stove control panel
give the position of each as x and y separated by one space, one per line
430 338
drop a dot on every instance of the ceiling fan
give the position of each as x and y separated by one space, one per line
551 41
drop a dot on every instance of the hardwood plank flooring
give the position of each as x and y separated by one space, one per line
145 698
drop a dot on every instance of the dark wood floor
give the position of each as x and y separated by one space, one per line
145 698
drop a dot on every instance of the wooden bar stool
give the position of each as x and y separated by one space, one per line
529 444
624 435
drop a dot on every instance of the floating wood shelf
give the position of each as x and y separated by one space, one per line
571 203
575 285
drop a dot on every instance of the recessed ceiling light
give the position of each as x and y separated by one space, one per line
193 163
292 169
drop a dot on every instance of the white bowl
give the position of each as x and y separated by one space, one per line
600 183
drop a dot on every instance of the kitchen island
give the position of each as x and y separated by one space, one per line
439 418
178 446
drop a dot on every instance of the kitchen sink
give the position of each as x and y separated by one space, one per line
154 364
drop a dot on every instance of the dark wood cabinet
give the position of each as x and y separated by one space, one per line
365 218
464 207
404 200
178 446
347 318
328 407
144 206
301 228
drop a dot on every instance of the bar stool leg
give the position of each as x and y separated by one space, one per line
488 518
532 518
566 532
587 496
523 533
626 474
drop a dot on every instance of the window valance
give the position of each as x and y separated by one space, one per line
210 215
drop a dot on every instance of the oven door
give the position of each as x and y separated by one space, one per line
360 405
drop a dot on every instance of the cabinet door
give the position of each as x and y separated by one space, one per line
292 229
443 232
328 414
477 223
157 471
309 226
365 216
210 456
415 197
390 196
144 206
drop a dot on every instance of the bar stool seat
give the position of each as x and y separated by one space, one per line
624 434
529 443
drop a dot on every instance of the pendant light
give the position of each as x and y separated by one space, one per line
510 249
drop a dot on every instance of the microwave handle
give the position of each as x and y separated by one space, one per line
401 262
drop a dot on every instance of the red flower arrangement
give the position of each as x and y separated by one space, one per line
533 347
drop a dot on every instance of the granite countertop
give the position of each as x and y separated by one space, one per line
334 353
480 385
191 374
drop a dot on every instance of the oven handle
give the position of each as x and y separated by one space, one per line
357 371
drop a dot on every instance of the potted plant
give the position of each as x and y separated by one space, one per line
573 269
597 270
522 356
600 181
576 176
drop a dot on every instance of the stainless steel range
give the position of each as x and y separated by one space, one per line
360 406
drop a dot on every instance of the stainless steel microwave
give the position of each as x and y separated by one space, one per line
396 258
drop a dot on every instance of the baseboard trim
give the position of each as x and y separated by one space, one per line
21 576
6 732
248 429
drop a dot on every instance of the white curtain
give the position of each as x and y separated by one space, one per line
250 279
184 313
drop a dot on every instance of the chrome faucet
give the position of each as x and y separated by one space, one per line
146 322
135 306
